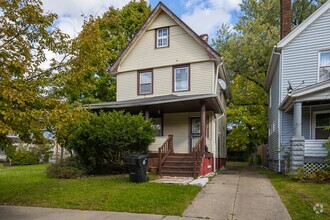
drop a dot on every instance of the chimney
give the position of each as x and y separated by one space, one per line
204 37
285 18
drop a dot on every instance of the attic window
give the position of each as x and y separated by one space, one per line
324 71
162 37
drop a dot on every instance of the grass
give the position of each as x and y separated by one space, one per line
28 186
300 198
237 163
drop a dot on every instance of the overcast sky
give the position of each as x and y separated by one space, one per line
203 16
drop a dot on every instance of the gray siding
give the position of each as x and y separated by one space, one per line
273 133
300 56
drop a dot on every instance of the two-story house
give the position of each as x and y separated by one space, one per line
171 75
298 83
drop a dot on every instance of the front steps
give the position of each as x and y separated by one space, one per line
180 164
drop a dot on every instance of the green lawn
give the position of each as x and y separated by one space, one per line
28 186
300 198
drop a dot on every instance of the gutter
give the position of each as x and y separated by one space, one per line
274 58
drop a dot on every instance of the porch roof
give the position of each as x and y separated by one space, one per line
316 92
167 104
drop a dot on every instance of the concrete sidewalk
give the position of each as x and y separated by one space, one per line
239 193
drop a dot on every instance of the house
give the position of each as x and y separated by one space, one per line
171 75
298 83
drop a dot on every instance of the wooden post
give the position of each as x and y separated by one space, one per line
203 127
146 115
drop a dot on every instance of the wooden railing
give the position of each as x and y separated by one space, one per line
197 154
163 153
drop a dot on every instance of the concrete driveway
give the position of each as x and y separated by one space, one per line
239 193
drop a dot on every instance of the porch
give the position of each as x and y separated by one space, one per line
308 111
187 131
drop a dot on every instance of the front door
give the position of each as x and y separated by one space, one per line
195 131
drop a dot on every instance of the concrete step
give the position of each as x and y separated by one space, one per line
179 173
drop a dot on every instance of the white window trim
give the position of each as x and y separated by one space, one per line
319 63
314 121
140 74
162 37
179 90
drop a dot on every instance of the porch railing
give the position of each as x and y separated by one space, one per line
163 153
197 154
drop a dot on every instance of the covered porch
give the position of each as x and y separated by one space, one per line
187 131
308 109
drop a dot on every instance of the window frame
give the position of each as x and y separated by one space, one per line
156 37
139 83
314 122
319 63
174 77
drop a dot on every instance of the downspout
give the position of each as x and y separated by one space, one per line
217 75
215 92
279 133
214 158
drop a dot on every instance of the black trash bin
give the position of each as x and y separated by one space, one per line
137 168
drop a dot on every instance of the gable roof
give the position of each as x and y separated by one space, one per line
159 8
287 39
294 33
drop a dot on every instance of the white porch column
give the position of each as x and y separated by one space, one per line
297 140
297 118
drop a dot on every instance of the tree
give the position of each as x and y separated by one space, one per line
95 49
25 33
247 51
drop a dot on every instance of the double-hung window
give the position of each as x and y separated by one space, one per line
181 78
162 37
324 71
145 80
322 120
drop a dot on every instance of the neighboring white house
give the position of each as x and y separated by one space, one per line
173 76
298 83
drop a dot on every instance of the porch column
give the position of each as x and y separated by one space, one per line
146 115
297 141
297 118
203 126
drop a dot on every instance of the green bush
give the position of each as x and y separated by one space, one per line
319 176
24 157
43 152
69 168
102 141
10 151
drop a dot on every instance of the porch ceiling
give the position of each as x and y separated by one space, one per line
313 94
165 104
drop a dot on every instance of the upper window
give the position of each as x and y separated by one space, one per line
181 78
145 82
324 72
322 120
162 37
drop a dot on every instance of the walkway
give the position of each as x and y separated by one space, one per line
240 194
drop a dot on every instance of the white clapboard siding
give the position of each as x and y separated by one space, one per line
300 56
201 78
314 148
182 49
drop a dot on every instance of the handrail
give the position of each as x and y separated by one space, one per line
163 153
197 154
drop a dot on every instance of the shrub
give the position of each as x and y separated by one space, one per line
102 141
10 151
43 152
319 176
70 168
24 157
